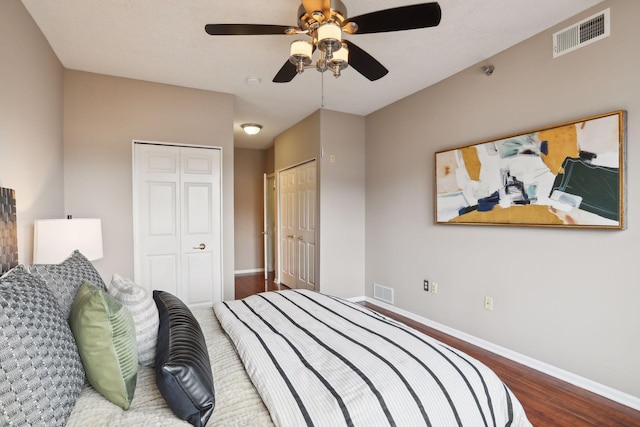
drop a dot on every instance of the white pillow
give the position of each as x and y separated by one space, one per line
144 312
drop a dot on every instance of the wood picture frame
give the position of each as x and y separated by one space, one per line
569 175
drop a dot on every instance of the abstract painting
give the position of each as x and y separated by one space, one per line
569 175
8 230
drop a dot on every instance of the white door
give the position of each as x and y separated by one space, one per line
298 226
288 216
269 226
177 221
306 226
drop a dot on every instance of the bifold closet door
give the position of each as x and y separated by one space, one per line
298 226
177 221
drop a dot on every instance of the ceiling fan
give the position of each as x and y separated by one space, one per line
324 21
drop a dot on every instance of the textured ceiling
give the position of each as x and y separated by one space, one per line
164 41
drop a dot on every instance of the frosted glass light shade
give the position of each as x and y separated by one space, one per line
329 37
301 49
55 239
341 55
251 128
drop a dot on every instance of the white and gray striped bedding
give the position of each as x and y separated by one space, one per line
322 361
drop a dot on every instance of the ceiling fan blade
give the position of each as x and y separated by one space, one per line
398 19
364 63
286 73
245 29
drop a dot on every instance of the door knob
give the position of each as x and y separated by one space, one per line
299 237
201 246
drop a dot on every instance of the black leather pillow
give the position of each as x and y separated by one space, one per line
183 369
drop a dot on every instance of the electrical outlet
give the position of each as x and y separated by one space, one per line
426 286
434 288
488 303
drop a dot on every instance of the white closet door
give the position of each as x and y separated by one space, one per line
200 227
177 221
298 227
306 226
288 216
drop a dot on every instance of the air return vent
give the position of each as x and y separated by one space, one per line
587 31
383 293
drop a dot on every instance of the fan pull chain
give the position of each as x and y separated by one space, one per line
322 90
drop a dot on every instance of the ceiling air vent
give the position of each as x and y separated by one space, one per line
587 31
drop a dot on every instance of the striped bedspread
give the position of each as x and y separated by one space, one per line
317 360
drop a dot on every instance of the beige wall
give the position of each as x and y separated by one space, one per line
249 169
342 207
298 144
341 193
271 159
102 116
566 297
31 85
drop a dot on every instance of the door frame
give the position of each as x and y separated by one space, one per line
269 215
135 216
278 219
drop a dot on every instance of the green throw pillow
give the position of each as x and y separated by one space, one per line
106 338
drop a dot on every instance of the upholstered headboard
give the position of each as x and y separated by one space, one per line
8 230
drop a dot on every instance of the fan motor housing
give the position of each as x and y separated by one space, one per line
311 20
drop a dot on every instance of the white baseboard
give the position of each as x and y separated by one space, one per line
250 271
582 382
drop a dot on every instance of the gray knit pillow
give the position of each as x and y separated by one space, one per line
144 312
65 279
41 374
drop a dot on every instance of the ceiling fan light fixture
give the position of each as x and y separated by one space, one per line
329 38
340 60
324 21
301 52
251 128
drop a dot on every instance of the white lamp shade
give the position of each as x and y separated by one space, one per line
55 239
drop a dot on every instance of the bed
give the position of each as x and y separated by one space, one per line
297 358
284 358
320 360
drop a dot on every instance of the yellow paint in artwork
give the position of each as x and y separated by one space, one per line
562 142
446 171
525 214
471 162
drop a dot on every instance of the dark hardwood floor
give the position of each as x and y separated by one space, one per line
249 284
546 400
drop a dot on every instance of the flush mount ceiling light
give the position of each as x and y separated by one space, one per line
324 22
251 128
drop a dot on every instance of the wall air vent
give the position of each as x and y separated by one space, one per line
383 293
587 31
